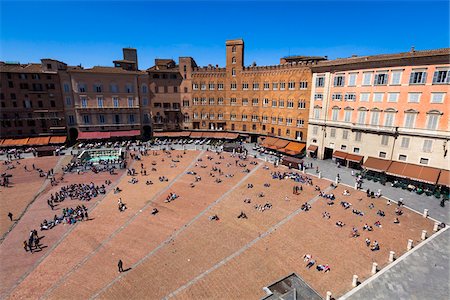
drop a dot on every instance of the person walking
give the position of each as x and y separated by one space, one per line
25 246
120 265
10 216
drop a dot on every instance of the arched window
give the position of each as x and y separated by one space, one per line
233 49
233 60
233 72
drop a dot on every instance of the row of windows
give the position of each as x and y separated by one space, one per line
166 105
99 88
245 102
413 97
27 103
103 119
393 77
24 76
303 85
36 87
409 121
100 101
254 118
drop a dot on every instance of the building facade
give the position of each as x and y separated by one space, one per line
393 107
31 99
104 99
267 100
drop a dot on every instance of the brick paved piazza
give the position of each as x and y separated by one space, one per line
179 252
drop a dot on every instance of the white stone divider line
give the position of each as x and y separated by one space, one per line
117 231
178 232
37 195
50 250
241 250
391 265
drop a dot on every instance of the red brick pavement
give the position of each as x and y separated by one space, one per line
85 262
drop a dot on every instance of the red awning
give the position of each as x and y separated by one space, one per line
94 135
37 141
428 175
125 133
444 178
354 158
196 134
57 140
377 164
231 136
396 169
340 154
312 148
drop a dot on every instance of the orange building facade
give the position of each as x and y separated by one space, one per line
267 100
393 107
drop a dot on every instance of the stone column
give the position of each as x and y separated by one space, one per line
410 245
355 281
424 235
374 268
320 174
328 295
425 213
391 256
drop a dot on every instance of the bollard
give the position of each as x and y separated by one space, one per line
336 180
374 268
391 256
355 281
425 213
436 226
424 235
356 185
328 295
410 245
320 174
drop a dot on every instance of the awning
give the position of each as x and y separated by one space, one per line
312 148
125 133
412 171
185 133
46 148
8 142
19 142
377 164
396 169
57 140
293 148
36 141
196 134
355 158
269 141
231 136
94 135
291 160
281 143
340 154
428 175
444 178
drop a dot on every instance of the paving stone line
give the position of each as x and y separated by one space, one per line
244 248
178 232
25 275
117 231
38 194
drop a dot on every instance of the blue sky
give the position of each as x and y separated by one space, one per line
93 33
